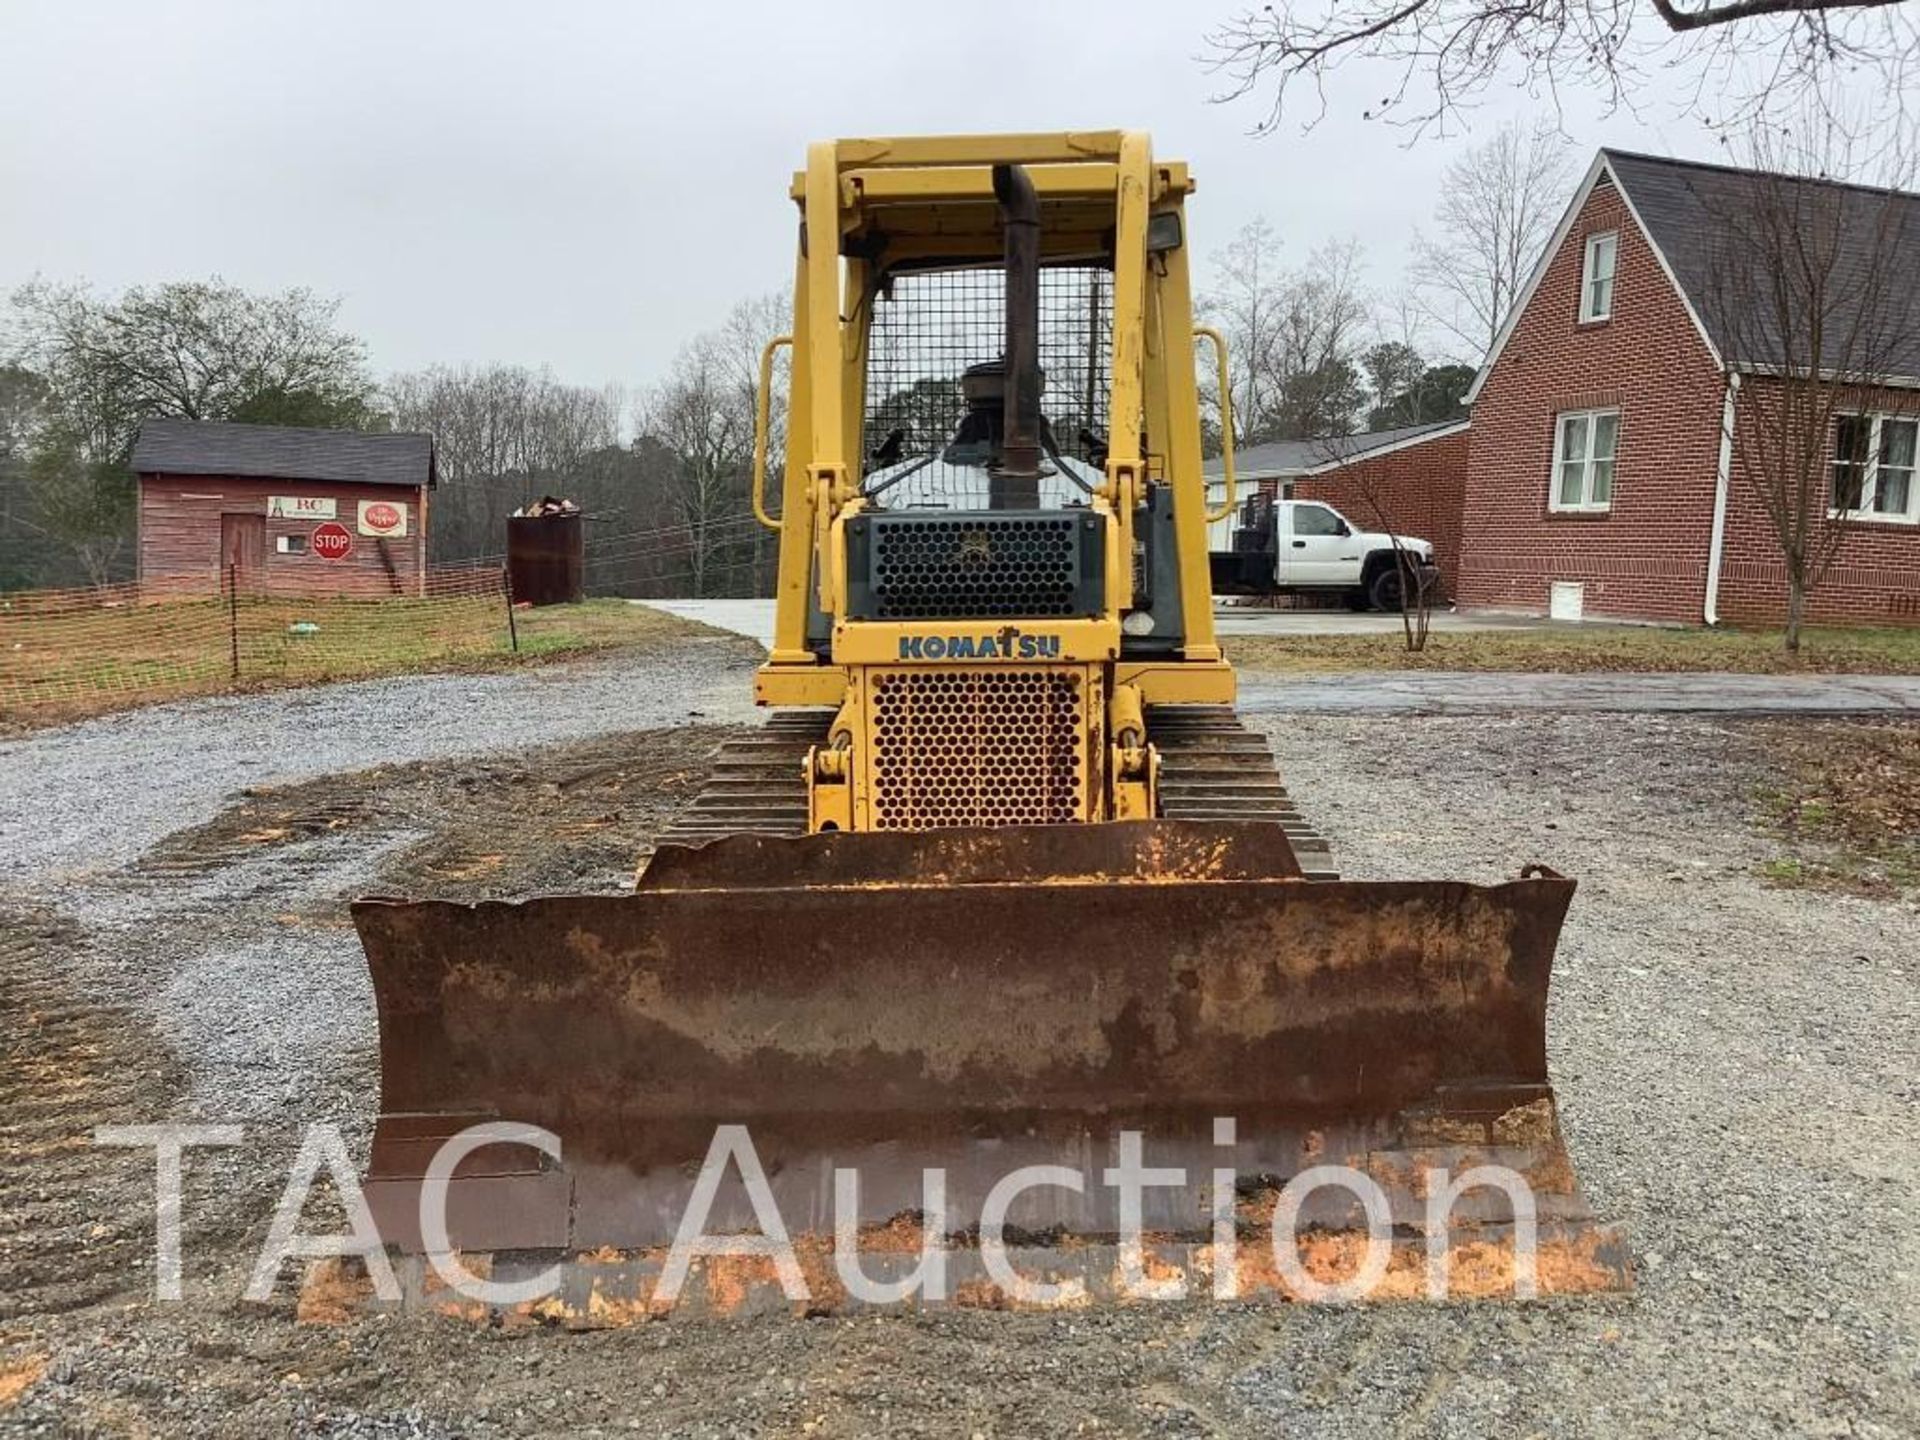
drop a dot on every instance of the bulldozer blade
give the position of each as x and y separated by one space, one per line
976 1002
1136 852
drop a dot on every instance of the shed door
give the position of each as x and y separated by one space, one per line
243 545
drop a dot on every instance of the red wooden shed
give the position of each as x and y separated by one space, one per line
283 510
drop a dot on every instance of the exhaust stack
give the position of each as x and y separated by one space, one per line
1014 483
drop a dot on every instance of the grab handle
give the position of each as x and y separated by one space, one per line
1207 332
762 422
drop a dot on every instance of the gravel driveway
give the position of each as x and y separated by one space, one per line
97 794
1736 1065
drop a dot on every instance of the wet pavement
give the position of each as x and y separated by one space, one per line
1455 692
1449 692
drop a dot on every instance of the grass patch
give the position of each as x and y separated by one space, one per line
599 625
1623 648
56 668
1846 806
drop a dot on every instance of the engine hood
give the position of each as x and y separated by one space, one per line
1381 540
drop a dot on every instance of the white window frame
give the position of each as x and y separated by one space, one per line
1589 312
1870 481
1586 505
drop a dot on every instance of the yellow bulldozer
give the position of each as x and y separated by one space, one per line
1004 887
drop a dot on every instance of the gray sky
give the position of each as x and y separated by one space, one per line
584 185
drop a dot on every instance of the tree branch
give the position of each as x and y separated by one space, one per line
1743 59
1680 20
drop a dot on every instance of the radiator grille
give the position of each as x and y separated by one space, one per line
977 747
951 568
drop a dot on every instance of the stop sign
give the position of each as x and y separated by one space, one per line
332 541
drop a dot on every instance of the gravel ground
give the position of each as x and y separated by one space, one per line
91 797
1736 1066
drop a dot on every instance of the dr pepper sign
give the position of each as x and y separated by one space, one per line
383 518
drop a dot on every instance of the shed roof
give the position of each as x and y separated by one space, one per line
1281 459
283 452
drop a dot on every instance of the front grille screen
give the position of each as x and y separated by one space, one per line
928 327
974 568
977 747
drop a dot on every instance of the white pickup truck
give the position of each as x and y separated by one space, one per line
1286 546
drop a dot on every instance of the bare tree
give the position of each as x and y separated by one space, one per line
1744 59
699 417
702 416
1371 493
1416 581
502 434
1324 321
1247 300
1293 337
667 513
1498 205
1813 292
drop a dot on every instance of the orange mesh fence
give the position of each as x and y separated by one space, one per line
81 650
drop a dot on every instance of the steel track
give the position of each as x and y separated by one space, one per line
1211 768
759 783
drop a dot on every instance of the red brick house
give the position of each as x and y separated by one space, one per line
1603 474
281 510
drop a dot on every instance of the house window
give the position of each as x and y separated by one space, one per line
1596 279
1893 474
295 544
1583 447
1872 467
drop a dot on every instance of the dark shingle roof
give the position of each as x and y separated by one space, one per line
1283 458
1688 209
281 452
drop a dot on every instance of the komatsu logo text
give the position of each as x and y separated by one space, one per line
1008 643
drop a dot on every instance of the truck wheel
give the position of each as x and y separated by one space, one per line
1385 588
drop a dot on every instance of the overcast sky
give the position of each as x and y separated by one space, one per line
583 185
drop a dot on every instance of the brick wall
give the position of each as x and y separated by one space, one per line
1646 558
1419 492
179 534
1875 578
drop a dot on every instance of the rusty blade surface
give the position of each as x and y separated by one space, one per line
974 1026
1143 852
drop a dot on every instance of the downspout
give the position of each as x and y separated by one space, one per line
1716 547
